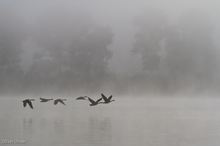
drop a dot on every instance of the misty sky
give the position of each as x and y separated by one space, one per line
118 15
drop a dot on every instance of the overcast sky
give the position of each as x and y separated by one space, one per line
119 15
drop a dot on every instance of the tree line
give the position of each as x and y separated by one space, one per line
73 53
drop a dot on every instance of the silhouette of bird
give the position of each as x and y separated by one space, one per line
107 100
45 99
82 98
29 102
59 100
93 102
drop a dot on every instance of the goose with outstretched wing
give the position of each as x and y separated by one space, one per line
59 101
82 98
93 102
45 99
107 99
28 102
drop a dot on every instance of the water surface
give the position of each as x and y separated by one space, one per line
126 122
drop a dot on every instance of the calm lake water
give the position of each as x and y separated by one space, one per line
125 122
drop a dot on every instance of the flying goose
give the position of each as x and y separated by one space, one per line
29 102
82 98
45 99
107 100
59 100
93 102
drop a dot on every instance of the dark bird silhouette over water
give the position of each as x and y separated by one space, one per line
45 99
29 102
107 100
59 101
82 98
93 102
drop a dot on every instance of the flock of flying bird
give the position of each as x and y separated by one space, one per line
105 99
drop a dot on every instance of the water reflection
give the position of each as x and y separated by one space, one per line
99 131
92 131
43 124
164 124
27 127
59 126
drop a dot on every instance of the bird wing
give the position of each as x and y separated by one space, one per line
42 99
104 97
24 103
30 104
92 101
80 98
110 97
61 101
98 100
